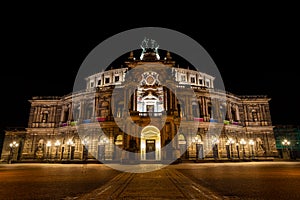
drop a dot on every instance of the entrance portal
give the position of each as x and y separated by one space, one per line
150 143
150 149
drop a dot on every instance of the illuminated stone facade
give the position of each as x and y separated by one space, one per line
110 117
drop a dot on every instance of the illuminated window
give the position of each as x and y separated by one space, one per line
254 115
183 78
181 137
120 137
207 83
45 117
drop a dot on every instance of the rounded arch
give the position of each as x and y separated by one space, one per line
41 141
150 143
85 138
181 137
119 139
102 139
150 130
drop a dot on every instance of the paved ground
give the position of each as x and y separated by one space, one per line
166 183
254 180
51 181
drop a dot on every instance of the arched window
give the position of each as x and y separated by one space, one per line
233 113
254 115
181 137
181 108
119 140
223 113
119 109
45 115
76 112
89 111
210 110
196 109
66 115
182 145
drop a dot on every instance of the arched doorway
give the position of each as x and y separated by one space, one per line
150 143
182 145
103 140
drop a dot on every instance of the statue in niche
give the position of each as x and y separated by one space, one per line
260 147
39 151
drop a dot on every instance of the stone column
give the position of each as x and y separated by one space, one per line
186 107
93 108
103 81
135 100
165 98
34 117
110 149
82 109
245 114
39 119
205 109
125 108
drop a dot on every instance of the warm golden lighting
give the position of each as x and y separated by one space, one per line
57 143
251 142
70 142
14 144
243 142
48 144
285 142
230 141
215 141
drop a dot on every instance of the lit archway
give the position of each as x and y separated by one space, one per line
150 143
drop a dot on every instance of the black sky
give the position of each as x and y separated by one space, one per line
41 56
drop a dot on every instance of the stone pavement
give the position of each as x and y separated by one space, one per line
166 183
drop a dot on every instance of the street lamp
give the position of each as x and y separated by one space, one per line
48 145
286 143
12 146
251 142
238 150
231 142
69 143
243 142
56 144
215 143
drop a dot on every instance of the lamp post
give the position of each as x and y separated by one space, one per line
243 142
238 150
12 146
56 144
286 143
48 145
231 142
251 142
69 143
215 143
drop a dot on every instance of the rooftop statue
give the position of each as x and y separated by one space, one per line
150 47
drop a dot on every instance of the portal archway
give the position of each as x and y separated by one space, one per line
150 143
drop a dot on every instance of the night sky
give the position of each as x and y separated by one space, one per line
41 56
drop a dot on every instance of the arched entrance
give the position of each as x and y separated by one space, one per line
150 143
